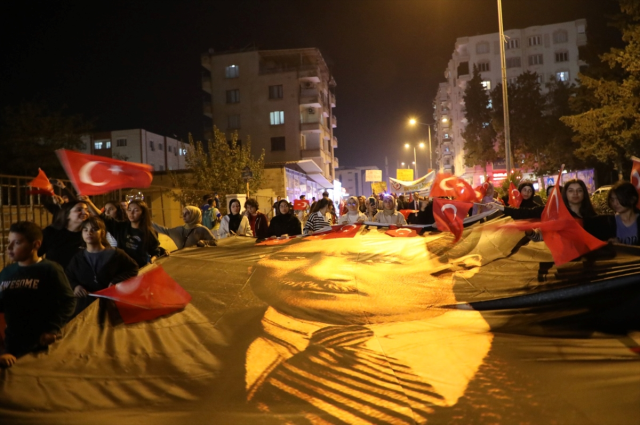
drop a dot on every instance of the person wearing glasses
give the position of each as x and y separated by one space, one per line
353 215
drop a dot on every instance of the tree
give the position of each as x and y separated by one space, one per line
610 129
478 134
30 134
218 169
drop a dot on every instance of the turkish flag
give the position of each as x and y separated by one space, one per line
515 197
147 296
95 175
449 215
407 213
481 191
401 232
571 241
337 232
300 204
41 182
635 177
448 185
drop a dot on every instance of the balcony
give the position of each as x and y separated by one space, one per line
313 127
206 84
310 97
334 121
332 100
334 142
311 73
207 109
336 163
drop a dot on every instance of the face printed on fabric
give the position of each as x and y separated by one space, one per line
575 194
526 192
19 248
111 210
235 207
347 280
134 212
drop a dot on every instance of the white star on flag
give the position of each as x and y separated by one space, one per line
115 169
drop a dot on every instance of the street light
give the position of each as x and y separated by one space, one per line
505 97
413 121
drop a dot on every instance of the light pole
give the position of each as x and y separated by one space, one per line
413 122
415 158
505 97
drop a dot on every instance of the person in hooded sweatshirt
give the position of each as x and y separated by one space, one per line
389 215
191 233
353 215
285 222
98 266
234 223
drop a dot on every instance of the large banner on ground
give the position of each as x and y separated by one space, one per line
423 184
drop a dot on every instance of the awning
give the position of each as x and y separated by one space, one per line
314 172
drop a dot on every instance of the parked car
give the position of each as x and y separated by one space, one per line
602 190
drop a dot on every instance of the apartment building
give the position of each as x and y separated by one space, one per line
138 145
551 51
281 99
354 181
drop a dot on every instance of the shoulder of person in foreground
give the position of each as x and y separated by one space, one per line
124 266
60 295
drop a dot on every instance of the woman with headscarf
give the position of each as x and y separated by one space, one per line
389 215
234 223
285 222
353 215
191 233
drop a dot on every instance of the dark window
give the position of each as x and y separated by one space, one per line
562 56
275 92
233 96
483 66
121 142
463 68
277 144
514 62
234 122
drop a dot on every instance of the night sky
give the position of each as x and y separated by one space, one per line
137 64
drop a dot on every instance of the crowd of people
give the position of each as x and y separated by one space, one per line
86 249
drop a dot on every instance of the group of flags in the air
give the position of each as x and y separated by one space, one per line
154 293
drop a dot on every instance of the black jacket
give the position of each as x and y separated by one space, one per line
119 268
604 227
131 240
284 224
60 245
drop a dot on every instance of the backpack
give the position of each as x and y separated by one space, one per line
207 218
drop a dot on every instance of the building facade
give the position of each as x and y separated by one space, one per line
281 99
551 51
353 180
138 145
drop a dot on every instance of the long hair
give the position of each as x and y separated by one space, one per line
586 207
61 219
120 214
144 225
97 224
323 202
626 193
239 204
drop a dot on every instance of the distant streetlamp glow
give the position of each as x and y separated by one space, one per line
406 145
421 144
413 122
445 120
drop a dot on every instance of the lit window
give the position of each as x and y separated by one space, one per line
540 78
562 56
486 84
276 117
233 96
121 142
514 62
233 122
232 71
107 144
560 36
562 76
513 43
483 66
97 145
535 40
535 60
482 47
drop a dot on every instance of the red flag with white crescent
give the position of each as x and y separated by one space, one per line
635 177
448 185
95 175
300 204
41 182
515 197
571 240
147 296
449 215
401 232
336 232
